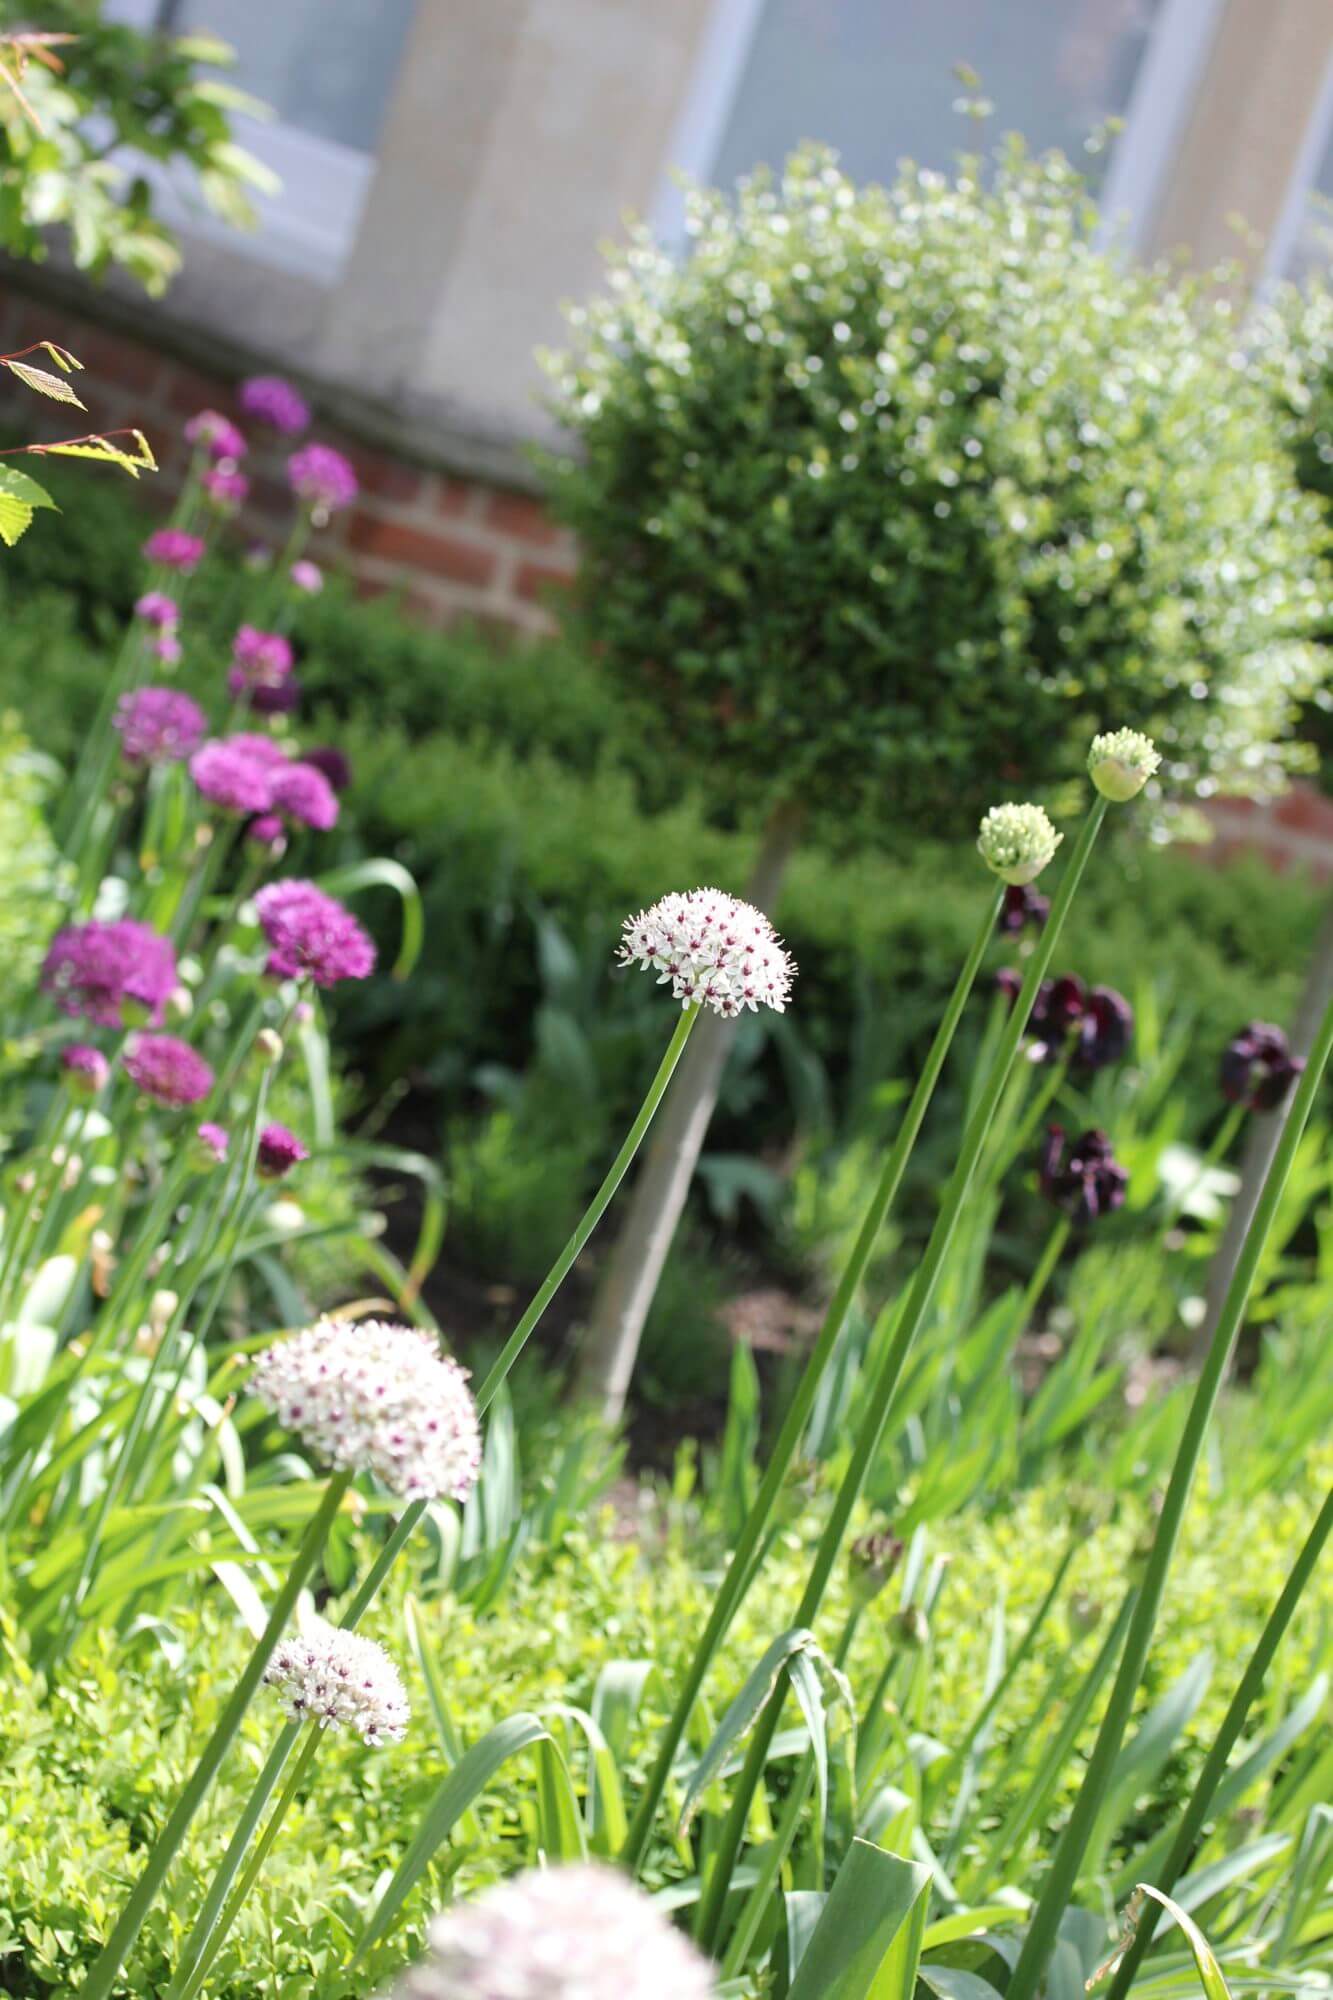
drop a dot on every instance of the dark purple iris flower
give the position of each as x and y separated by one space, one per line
1258 1068
1084 1179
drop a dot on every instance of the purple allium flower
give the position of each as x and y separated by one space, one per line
332 763
279 700
272 401
118 974
262 748
159 610
312 935
167 1069
212 1143
174 549
1087 1181
230 775
159 726
226 488
278 1152
1023 905
332 1677
378 1398
267 831
578 1932
307 576
167 649
713 949
1258 1068
219 433
263 656
322 476
86 1069
305 795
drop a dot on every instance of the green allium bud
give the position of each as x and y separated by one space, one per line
911 1628
1016 842
1121 763
1085 1613
872 1559
268 1045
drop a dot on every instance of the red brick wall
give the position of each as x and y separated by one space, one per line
456 548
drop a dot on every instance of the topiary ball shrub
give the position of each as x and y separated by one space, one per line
890 497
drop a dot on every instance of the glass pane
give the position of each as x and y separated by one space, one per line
874 78
326 66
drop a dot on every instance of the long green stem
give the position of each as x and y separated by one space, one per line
885 1384
1215 1763
113 1954
742 1567
190 1977
595 1210
406 1525
1068 1857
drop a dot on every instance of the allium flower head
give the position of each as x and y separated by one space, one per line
226 488
1258 1068
1016 842
311 935
118 974
272 401
1085 1178
1121 762
158 610
157 725
322 476
713 949
174 549
338 1680
261 748
1023 905
212 1143
374 1397
267 831
219 433
278 1152
167 1070
230 774
307 576
86 1069
332 763
580 1932
305 794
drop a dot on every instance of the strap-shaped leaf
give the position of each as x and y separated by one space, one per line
382 873
740 1715
867 1942
54 386
468 1779
1210 1972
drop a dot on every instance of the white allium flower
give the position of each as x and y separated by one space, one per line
1121 762
378 1398
1016 842
575 1933
339 1680
714 950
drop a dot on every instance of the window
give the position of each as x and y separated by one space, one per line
1302 242
875 79
327 68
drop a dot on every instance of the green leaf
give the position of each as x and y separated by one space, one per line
468 1779
558 1816
740 1715
45 384
20 487
1210 1972
388 875
867 1942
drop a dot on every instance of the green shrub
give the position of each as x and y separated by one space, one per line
891 498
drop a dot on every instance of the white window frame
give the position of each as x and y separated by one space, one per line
1160 104
309 226
1291 218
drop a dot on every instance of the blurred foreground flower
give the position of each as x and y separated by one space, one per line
118 974
174 549
337 1679
323 477
278 1152
85 1069
219 433
273 401
580 1932
1085 1179
369 1396
167 1070
159 726
311 935
713 949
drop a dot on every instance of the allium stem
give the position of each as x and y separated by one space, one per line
741 1569
1068 1857
193 1970
881 1392
1169 1871
102 1976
